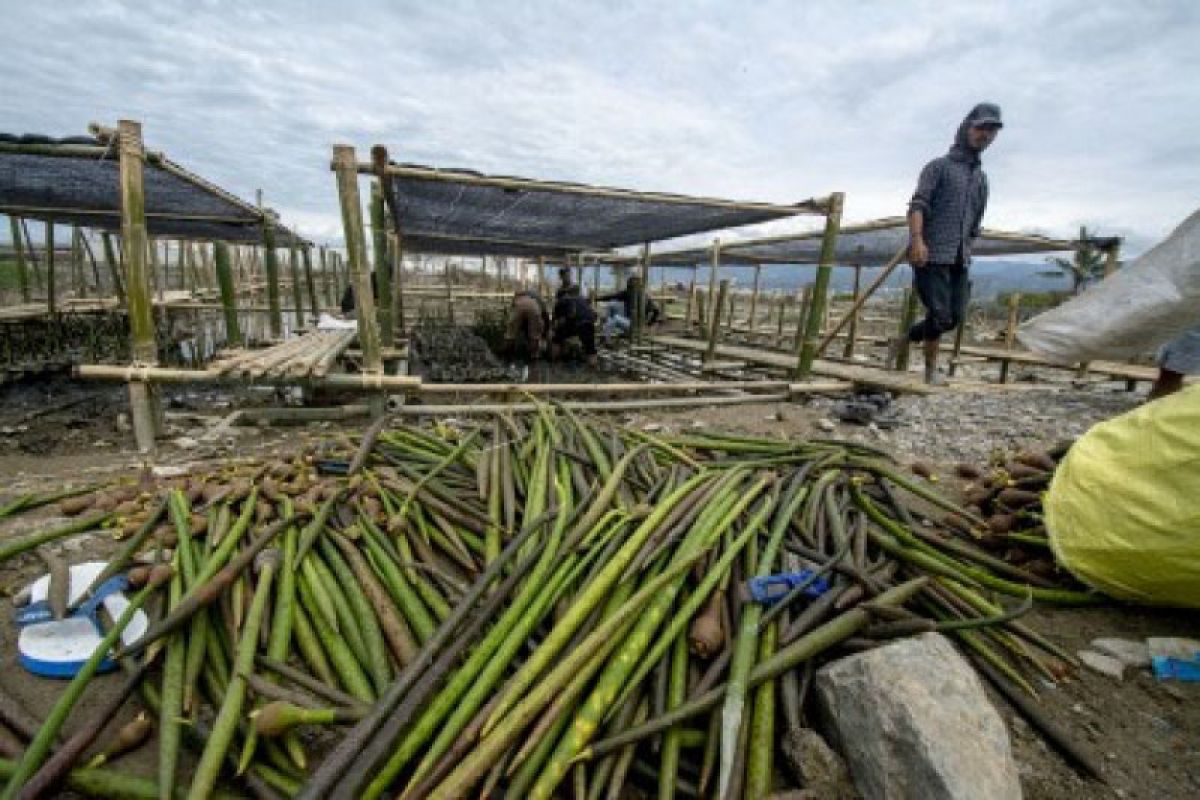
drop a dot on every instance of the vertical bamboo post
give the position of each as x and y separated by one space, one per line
643 291
752 322
294 274
51 282
326 291
1010 331
701 314
91 258
958 340
397 261
541 279
114 268
141 320
691 300
383 277
908 316
271 262
803 300
19 248
812 328
449 272
152 266
711 353
78 281
714 263
780 307
729 312
852 331
233 332
38 280
345 166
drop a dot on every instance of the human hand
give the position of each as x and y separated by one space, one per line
918 253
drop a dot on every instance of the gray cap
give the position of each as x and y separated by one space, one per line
985 114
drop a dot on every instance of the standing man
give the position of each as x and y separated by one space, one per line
943 217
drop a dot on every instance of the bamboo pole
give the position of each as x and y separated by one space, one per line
297 295
233 332
752 324
39 281
1010 331
78 280
114 267
91 257
541 281
51 282
271 261
639 308
729 315
691 301
781 305
816 313
309 284
852 314
19 248
803 300
861 301
714 327
908 316
142 400
958 339
326 290
714 264
383 277
397 262
356 249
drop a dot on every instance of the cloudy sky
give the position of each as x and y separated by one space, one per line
775 101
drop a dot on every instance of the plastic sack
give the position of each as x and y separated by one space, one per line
1129 313
1123 510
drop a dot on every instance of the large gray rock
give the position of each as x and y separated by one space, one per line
912 720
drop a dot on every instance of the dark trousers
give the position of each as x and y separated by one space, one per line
943 291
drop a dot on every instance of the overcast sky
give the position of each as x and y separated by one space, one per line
774 101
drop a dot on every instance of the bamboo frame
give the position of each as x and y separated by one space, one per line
908 318
271 262
816 311
143 403
811 206
861 301
309 283
51 278
383 276
297 294
714 326
356 249
19 248
233 333
852 315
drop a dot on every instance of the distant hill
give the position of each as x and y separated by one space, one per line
989 277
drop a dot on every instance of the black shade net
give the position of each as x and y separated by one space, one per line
468 217
85 190
855 247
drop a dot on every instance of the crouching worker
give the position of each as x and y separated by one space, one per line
620 318
526 327
574 321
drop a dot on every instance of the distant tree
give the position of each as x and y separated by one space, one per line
1087 265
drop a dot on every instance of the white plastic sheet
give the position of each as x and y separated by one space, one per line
1130 313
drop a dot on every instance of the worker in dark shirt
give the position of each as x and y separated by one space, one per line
944 216
573 318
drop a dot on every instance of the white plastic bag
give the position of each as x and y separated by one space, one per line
1130 313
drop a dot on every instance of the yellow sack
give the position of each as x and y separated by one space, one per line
1123 511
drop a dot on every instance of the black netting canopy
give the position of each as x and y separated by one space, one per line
462 212
77 181
869 244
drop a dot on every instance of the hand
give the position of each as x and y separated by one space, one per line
918 253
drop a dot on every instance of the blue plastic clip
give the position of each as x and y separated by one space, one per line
768 589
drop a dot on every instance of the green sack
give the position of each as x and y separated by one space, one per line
1123 511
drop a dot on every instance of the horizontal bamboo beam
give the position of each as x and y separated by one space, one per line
361 381
810 206
592 405
599 388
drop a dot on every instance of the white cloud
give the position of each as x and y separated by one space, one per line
769 100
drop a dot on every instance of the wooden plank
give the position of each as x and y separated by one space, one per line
867 376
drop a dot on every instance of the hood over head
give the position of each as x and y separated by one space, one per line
981 114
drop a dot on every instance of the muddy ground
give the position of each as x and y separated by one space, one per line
1145 733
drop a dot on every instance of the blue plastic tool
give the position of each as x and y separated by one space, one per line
768 589
37 612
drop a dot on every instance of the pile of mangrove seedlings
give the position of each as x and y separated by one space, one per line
534 607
